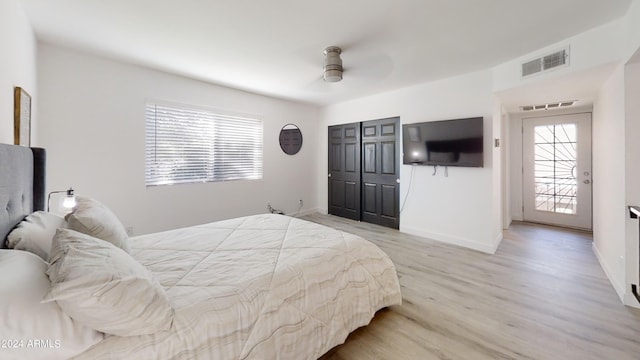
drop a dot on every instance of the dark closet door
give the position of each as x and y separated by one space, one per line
344 170
381 172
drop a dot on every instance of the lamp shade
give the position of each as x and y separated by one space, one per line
69 200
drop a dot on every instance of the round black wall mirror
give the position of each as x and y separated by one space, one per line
290 139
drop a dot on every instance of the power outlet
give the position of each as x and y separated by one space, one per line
300 203
129 230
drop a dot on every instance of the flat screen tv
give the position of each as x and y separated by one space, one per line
448 143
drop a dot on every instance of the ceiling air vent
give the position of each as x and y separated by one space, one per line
548 106
532 67
546 62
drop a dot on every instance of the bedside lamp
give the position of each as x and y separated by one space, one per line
69 200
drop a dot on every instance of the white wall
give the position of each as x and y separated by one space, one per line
92 125
460 209
515 167
609 179
17 66
632 174
632 30
616 172
497 202
505 144
615 235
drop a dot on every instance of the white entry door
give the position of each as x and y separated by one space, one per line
557 170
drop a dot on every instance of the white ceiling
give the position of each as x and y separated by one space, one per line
274 47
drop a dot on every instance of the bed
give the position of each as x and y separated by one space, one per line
257 287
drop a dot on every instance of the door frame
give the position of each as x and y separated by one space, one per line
563 220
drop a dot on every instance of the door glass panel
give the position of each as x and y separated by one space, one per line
555 168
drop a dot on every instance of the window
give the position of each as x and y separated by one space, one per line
189 145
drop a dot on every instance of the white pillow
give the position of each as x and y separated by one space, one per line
31 329
93 218
35 233
104 288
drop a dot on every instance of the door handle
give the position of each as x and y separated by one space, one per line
329 175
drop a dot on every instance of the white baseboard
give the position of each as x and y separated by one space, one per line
631 300
619 288
304 212
497 242
507 224
485 248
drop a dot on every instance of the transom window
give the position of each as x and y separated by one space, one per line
191 145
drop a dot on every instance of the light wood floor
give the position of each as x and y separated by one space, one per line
542 295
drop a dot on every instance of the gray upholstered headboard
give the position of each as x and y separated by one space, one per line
22 185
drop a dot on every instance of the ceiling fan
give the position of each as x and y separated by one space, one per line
332 64
365 66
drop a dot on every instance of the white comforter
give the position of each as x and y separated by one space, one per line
258 287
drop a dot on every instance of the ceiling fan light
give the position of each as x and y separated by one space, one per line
332 64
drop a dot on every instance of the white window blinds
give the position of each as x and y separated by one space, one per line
188 145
